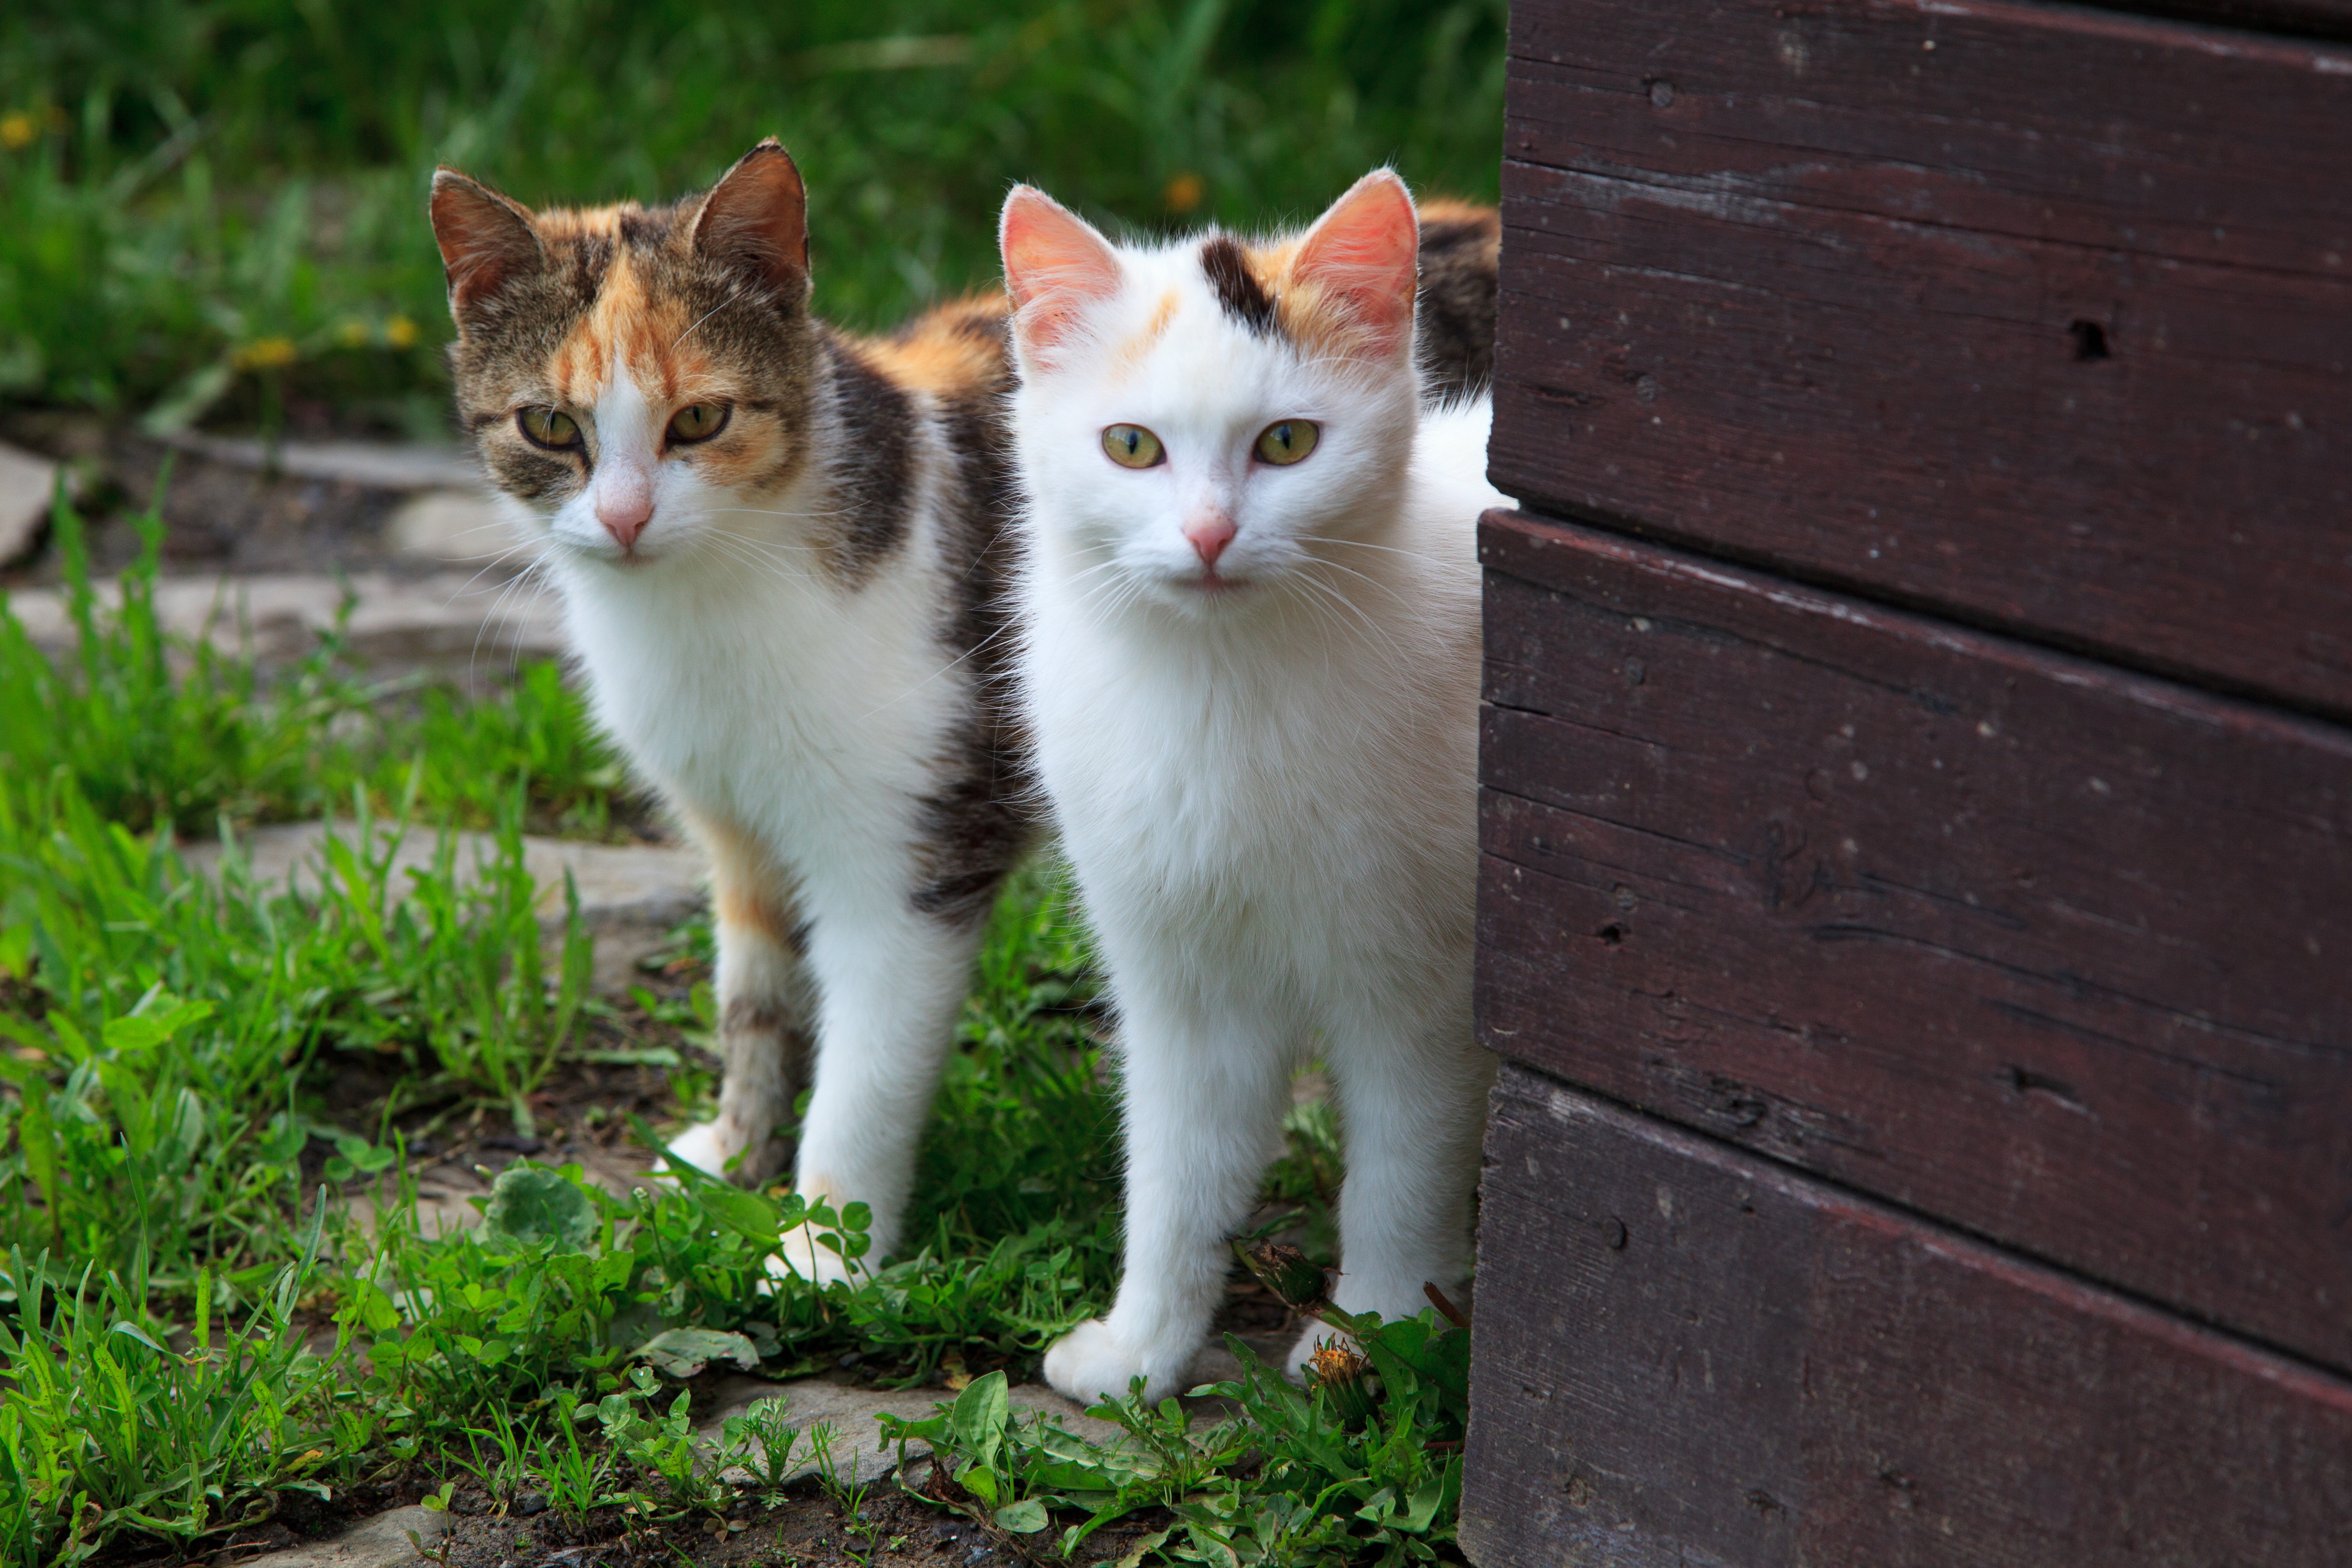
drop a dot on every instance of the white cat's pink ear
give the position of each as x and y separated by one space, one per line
486 240
755 220
1363 260
1055 265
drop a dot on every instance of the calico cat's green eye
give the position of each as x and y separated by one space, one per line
1286 440
1133 447
698 421
549 427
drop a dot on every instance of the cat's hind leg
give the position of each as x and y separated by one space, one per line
766 1003
1412 1108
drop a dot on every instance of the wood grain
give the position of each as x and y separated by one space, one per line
2038 317
2053 950
1685 1354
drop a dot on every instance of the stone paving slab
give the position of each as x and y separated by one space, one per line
851 1410
450 525
442 618
379 1543
28 483
378 464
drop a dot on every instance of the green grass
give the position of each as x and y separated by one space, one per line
218 205
175 1159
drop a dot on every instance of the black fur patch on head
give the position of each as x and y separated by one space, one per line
873 469
980 817
1460 248
1238 289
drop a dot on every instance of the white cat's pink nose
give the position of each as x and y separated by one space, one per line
1210 536
625 505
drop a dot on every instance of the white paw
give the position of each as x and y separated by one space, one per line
1091 1363
706 1148
803 1257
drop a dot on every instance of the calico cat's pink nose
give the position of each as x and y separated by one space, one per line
625 505
1210 536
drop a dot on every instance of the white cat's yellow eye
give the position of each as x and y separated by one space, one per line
549 427
1286 440
698 421
1133 447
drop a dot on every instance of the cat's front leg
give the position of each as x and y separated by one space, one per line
1413 1107
765 1007
1203 1096
891 980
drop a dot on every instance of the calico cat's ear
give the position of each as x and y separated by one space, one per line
486 241
1056 264
755 220
1361 262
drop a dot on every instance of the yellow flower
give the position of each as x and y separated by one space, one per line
352 334
1183 193
400 332
18 130
267 354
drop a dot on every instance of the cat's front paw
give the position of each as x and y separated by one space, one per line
803 1256
1092 1362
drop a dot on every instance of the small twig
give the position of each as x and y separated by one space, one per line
1447 1310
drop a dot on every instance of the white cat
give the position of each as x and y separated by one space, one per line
1249 660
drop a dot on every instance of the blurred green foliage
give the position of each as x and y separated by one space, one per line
214 203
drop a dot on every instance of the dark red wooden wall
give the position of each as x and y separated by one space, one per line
1916 803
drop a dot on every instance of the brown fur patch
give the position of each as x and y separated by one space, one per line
1239 289
1461 253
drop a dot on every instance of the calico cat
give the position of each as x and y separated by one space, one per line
1249 659
785 554
783 561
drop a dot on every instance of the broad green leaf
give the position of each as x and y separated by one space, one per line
747 1214
979 1414
1023 1518
529 1204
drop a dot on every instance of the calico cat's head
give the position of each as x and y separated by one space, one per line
634 375
1198 417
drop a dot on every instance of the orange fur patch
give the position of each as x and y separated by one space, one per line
1132 352
746 891
947 352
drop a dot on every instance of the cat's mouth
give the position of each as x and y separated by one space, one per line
1210 583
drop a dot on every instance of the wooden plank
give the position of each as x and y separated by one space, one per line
2294 18
1688 1355
2027 314
2051 950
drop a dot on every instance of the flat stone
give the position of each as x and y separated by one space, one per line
28 484
852 1411
446 617
379 465
631 896
378 1542
450 525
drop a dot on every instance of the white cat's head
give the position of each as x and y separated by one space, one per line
1196 419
